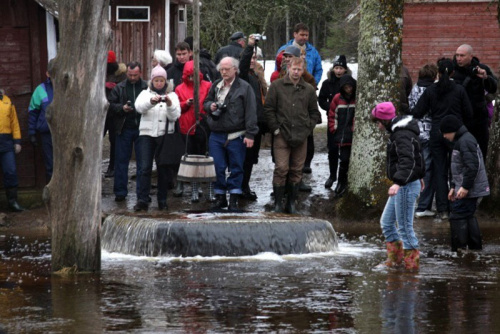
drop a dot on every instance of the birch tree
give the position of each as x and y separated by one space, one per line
76 119
379 54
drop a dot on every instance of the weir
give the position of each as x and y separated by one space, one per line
225 235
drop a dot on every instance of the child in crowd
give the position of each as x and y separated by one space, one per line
468 182
341 127
405 168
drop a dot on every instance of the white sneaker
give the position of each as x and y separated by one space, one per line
426 213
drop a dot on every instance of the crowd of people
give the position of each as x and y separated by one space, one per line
435 152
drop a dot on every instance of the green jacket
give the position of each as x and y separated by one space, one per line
291 109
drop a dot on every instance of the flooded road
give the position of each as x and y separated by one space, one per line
338 292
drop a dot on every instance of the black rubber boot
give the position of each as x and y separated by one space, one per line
459 232
220 202
179 189
279 194
233 203
12 200
342 183
292 191
474 241
304 186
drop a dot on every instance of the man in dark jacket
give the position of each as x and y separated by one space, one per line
477 79
233 49
232 119
291 111
468 175
183 54
121 103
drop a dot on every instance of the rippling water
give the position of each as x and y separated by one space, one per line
330 292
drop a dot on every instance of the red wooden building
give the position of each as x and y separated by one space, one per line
28 39
436 28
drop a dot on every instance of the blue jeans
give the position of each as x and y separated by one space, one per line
227 154
425 201
8 162
397 218
123 153
48 156
148 146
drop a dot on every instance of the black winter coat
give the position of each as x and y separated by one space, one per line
329 88
245 74
233 49
476 87
207 66
174 72
467 165
454 102
118 98
405 162
240 113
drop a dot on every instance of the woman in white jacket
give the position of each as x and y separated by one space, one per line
160 108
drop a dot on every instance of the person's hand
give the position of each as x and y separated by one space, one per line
251 40
393 190
248 142
451 194
462 193
127 108
422 185
189 102
213 107
17 148
155 99
33 140
481 73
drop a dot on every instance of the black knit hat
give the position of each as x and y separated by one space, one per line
450 124
340 61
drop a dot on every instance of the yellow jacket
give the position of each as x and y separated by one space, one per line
8 120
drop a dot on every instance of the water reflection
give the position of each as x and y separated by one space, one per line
331 292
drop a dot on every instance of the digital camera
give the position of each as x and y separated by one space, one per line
259 37
221 108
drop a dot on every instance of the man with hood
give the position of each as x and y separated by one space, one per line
341 127
477 79
197 138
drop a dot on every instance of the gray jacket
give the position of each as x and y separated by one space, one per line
241 109
467 165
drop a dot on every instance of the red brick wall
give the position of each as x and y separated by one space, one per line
435 30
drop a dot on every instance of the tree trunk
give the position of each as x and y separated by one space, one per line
76 119
493 162
379 54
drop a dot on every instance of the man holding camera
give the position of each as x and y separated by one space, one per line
477 79
233 49
231 107
127 119
291 111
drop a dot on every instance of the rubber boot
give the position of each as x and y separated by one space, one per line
211 194
179 189
459 232
412 259
195 196
233 203
304 187
292 191
342 183
474 241
12 200
279 194
394 253
220 202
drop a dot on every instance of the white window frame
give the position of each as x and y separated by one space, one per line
136 7
182 10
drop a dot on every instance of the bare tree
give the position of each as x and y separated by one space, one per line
379 54
76 119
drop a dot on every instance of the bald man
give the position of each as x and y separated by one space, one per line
478 80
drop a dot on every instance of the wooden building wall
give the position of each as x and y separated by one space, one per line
23 62
436 29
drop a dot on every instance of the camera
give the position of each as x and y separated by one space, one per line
259 37
221 107
475 70
129 103
163 98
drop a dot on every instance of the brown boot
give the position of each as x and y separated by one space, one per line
411 259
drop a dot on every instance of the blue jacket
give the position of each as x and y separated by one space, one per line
313 60
40 100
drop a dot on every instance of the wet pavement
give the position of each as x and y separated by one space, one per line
335 292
